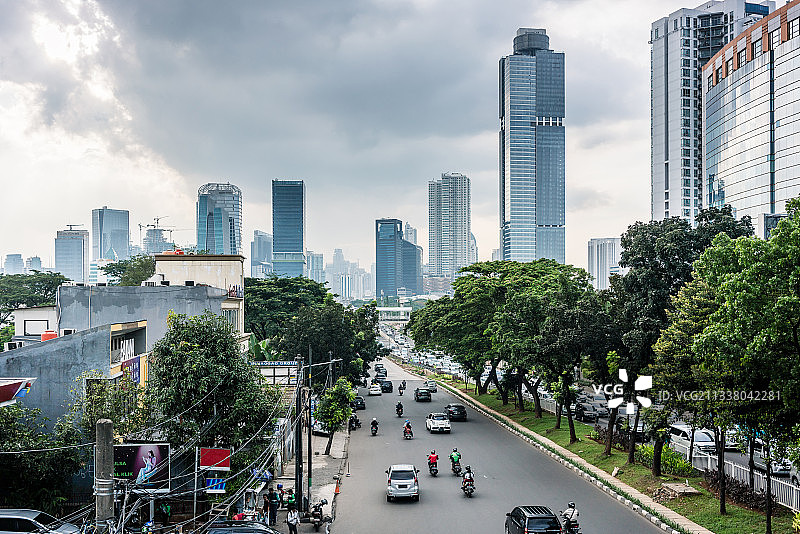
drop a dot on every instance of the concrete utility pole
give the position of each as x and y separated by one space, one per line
310 451
104 474
298 438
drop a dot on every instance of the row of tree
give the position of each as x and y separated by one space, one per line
708 309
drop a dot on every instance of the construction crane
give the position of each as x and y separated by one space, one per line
156 219
71 226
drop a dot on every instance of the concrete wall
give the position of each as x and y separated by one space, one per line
123 304
56 363
39 319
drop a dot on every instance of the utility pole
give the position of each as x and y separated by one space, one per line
310 451
298 456
104 474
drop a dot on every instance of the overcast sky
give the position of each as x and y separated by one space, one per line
135 104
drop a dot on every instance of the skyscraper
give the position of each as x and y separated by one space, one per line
604 256
34 263
410 234
681 44
260 254
532 179
315 268
72 254
288 227
398 263
14 264
449 227
219 219
110 234
750 92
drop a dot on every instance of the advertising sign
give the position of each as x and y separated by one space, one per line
146 464
215 459
132 369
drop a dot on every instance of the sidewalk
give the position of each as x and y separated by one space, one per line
324 471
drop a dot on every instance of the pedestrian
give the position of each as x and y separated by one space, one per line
292 519
280 496
265 509
272 497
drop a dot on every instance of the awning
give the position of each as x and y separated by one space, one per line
12 389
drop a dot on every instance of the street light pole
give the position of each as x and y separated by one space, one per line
298 456
310 452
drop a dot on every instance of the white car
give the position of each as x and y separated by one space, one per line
375 389
430 385
437 422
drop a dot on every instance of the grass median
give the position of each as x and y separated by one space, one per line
703 509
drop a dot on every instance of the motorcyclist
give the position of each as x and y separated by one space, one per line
467 477
374 423
403 383
455 457
407 428
433 458
570 515
399 407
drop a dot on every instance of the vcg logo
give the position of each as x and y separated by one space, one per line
616 391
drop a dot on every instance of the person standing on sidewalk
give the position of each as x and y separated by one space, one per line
292 519
272 497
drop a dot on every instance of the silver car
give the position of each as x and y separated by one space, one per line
402 482
16 521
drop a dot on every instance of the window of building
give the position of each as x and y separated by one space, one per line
675 23
686 172
685 52
742 58
656 33
232 317
694 23
686 152
794 28
686 162
666 195
729 67
710 82
720 74
666 205
686 42
686 213
757 50
686 32
685 142
687 202
687 192
686 63
686 182
695 203
686 112
686 102
686 123
774 39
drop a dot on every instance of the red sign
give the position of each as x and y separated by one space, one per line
215 459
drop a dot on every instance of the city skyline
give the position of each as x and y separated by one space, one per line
369 148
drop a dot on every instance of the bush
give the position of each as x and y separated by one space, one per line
672 463
619 440
738 491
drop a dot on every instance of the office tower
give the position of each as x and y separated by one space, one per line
448 224
14 264
398 263
532 197
473 249
750 93
110 234
34 263
156 243
604 256
681 44
315 266
72 254
410 234
496 254
260 254
219 219
288 227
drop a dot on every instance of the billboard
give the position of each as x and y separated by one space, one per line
145 464
215 459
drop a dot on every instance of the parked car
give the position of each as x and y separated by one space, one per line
680 436
587 412
240 527
358 403
430 385
375 389
780 468
401 482
456 412
437 422
422 395
529 519
386 386
15 521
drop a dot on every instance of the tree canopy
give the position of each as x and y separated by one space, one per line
27 290
131 272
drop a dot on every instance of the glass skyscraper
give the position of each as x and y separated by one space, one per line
532 179
260 254
448 224
219 219
288 227
398 263
72 254
110 234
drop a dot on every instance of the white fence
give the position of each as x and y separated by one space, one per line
783 490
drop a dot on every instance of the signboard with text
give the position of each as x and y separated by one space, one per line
145 464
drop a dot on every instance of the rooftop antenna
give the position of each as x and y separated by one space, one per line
71 226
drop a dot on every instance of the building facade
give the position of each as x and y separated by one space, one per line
72 254
604 254
315 266
398 263
449 226
261 254
34 263
219 219
288 227
681 44
410 234
532 172
110 234
14 264
751 91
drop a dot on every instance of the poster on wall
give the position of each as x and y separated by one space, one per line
146 465
132 369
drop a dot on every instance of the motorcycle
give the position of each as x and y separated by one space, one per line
374 430
354 422
407 433
571 525
317 519
468 487
434 470
400 391
456 467
399 411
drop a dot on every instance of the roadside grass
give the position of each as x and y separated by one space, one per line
703 509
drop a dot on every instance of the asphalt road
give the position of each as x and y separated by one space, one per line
508 472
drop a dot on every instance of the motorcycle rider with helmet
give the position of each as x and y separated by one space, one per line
570 516
407 428
399 408
467 478
374 423
455 457
433 459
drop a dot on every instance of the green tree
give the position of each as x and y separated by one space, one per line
6 333
27 290
334 409
133 271
200 383
95 396
270 303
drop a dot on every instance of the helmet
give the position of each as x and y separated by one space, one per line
407 421
570 504
433 451
374 418
469 469
455 450
280 486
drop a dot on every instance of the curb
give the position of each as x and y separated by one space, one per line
553 451
339 475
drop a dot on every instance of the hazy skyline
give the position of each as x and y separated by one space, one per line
134 105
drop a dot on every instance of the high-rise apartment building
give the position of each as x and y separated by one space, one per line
472 257
751 98
14 264
681 44
34 263
288 227
398 263
219 219
315 266
110 234
72 254
604 254
532 179
410 234
260 254
449 227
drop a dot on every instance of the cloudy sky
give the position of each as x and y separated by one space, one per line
135 104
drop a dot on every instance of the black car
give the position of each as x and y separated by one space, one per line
525 519
456 412
358 403
386 386
586 412
422 395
